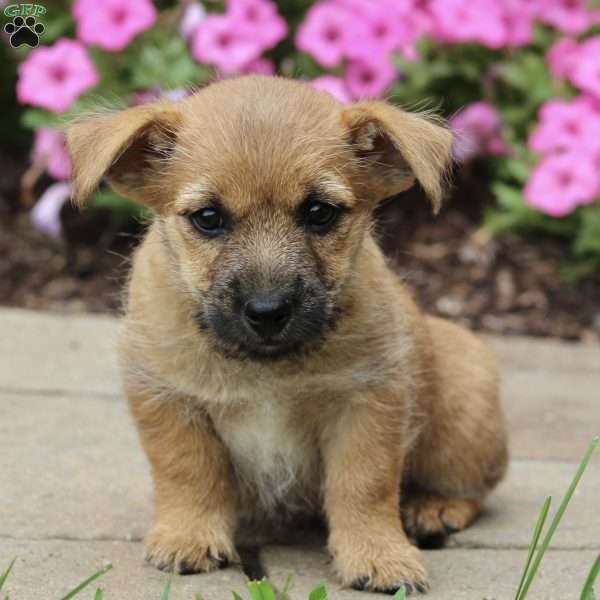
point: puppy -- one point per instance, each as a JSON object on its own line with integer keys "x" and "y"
{"x": 273, "y": 362}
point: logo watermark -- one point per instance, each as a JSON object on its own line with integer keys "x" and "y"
{"x": 25, "y": 29}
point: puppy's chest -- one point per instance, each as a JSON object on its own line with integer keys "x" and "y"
{"x": 274, "y": 453}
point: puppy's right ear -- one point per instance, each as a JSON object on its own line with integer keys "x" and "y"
{"x": 129, "y": 148}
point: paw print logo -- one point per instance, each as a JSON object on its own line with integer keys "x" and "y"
{"x": 24, "y": 32}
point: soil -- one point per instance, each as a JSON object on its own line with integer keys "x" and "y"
{"x": 506, "y": 285}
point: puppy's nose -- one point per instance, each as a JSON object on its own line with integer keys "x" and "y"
{"x": 268, "y": 314}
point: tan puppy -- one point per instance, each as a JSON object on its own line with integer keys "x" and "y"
{"x": 273, "y": 362}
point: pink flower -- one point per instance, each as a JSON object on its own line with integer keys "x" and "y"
{"x": 323, "y": 33}
{"x": 53, "y": 77}
{"x": 50, "y": 151}
{"x": 376, "y": 31}
{"x": 565, "y": 125}
{"x": 561, "y": 57}
{"x": 458, "y": 21}
{"x": 220, "y": 41}
{"x": 369, "y": 79}
{"x": 561, "y": 182}
{"x": 585, "y": 71}
{"x": 112, "y": 24}
{"x": 262, "y": 66}
{"x": 193, "y": 15}
{"x": 45, "y": 215}
{"x": 258, "y": 19}
{"x": 569, "y": 16}
{"x": 479, "y": 132}
{"x": 518, "y": 17}
{"x": 333, "y": 85}
{"x": 418, "y": 16}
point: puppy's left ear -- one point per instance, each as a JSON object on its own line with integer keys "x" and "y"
{"x": 395, "y": 148}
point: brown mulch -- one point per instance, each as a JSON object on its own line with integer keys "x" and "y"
{"x": 506, "y": 285}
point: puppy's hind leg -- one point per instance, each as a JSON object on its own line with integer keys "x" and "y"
{"x": 461, "y": 452}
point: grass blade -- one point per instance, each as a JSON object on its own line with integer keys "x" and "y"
{"x": 99, "y": 595}
{"x": 557, "y": 518}
{"x": 167, "y": 591}
{"x": 534, "y": 542}
{"x": 4, "y": 575}
{"x": 287, "y": 586}
{"x": 236, "y": 596}
{"x": 400, "y": 594}
{"x": 588, "y": 588}
{"x": 319, "y": 593}
{"x": 261, "y": 590}
{"x": 87, "y": 582}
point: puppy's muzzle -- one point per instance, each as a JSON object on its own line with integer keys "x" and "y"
{"x": 267, "y": 314}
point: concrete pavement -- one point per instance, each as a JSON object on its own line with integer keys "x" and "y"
{"x": 75, "y": 490}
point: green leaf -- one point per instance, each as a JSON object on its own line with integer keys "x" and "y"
{"x": 122, "y": 208}
{"x": 534, "y": 541}
{"x": 515, "y": 168}
{"x": 261, "y": 590}
{"x": 99, "y": 595}
{"x": 167, "y": 591}
{"x": 509, "y": 197}
{"x": 587, "y": 593}
{"x": 236, "y": 596}
{"x": 34, "y": 118}
{"x": 85, "y": 583}
{"x": 588, "y": 236}
{"x": 4, "y": 575}
{"x": 400, "y": 594}
{"x": 58, "y": 26}
{"x": 166, "y": 63}
{"x": 319, "y": 593}
{"x": 557, "y": 518}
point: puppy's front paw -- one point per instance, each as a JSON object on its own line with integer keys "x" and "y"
{"x": 378, "y": 563}
{"x": 187, "y": 551}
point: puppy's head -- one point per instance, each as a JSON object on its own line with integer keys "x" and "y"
{"x": 263, "y": 190}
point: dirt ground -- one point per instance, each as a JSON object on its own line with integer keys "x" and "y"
{"x": 507, "y": 285}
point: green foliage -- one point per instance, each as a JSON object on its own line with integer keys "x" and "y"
{"x": 261, "y": 590}
{"x": 534, "y": 542}
{"x": 587, "y": 593}
{"x": 531, "y": 567}
{"x": 446, "y": 77}
{"x": 319, "y": 593}
{"x": 517, "y": 82}
{"x": 85, "y": 583}
{"x": 164, "y": 60}
{"x": 122, "y": 209}
{"x": 167, "y": 590}
{"x": 6, "y": 573}
{"x": 400, "y": 594}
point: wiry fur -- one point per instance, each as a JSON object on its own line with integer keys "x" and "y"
{"x": 370, "y": 398}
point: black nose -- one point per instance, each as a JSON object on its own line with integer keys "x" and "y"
{"x": 268, "y": 314}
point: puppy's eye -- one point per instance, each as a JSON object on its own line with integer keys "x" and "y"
{"x": 209, "y": 221}
{"x": 320, "y": 216}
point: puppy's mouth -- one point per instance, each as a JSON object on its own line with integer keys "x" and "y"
{"x": 271, "y": 350}
{"x": 235, "y": 341}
